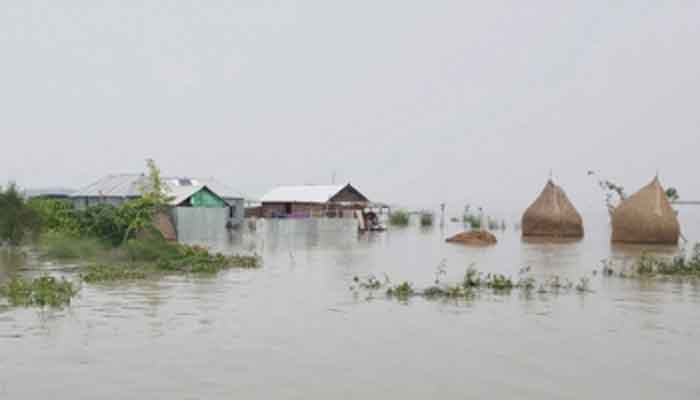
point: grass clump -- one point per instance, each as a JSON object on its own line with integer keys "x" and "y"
{"x": 146, "y": 259}
{"x": 42, "y": 291}
{"x": 64, "y": 247}
{"x": 399, "y": 218}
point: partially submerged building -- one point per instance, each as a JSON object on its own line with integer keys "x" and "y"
{"x": 335, "y": 201}
{"x": 196, "y": 205}
{"x": 646, "y": 217}
{"x": 552, "y": 215}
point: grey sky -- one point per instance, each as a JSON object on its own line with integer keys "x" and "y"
{"x": 415, "y": 102}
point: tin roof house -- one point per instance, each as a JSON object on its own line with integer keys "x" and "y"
{"x": 198, "y": 205}
{"x": 312, "y": 200}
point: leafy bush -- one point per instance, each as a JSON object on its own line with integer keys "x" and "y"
{"x": 56, "y": 215}
{"x": 149, "y": 250}
{"x": 16, "y": 218}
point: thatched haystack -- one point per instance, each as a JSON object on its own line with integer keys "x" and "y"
{"x": 553, "y": 215}
{"x": 646, "y": 217}
{"x": 475, "y": 238}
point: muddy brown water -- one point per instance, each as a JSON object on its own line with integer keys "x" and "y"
{"x": 294, "y": 330}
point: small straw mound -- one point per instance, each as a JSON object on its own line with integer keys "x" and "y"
{"x": 646, "y": 217}
{"x": 552, "y": 215}
{"x": 474, "y": 238}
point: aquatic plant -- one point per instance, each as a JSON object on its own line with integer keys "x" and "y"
{"x": 107, "y": 273}
{"x": 42, "y": 291}
{"x": 683, "y": 264}
{"x": 401, "y": 291}
{"x": 399, "y": 218}
{"x": 473, "y": 283}
{"x": 473, "y": 221}
{"x": 495, "y": 225}
{"x": 426, "y": 219}
{"x": 185, "y": 260}
{"x": 370, "y": 283}
{"x": 583, "y": 285}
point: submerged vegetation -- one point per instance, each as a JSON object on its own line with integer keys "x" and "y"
{"x": 472, "y": 219}
{"x": 399, "y": 218}
{"x": 473, "y": 283}
{"x": 686, "y": 264}
{"x": 41, "y": 291}
{"x": 143, "y": 258}
{"x": 426, "y": 218}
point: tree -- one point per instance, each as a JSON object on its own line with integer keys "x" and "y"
{"x": 16, "y": 218}
{"x": 137, "y": 215}
{"x": 155, "y": 190}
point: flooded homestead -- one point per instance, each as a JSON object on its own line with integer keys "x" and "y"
{"x": 294, "y": 329}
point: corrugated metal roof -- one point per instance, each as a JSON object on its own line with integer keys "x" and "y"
{"x": 131, "y": 185}
{"x": 123, "y": 185}
{"x": 214, "y": 185}
{"x": 301, "y": 194}
{"x": 182, "y": 193}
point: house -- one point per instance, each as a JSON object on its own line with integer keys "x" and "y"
{"x": 197, "y": 204}
{"x": 312, "y": 201}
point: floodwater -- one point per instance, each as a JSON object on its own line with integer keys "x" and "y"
{"x": 294, "y": 330}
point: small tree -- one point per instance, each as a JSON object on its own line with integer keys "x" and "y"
{"x": 16, "y": 218}
{"x": 137, "y": 215}
{"x": 155, "y": 190}
{"x": 611, "y": 189}
{"x": 672, "y": 194}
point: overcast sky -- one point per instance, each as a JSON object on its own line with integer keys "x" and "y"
{"x": 414, "y": 102}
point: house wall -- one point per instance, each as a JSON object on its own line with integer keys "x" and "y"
{"x": 236, "y": 210}
{"x": 270, "y": 210}
{"x": 198, "y": 225}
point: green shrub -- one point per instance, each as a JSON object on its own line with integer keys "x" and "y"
{"x": 56, "y": 215}
{"x": 151, "y": 249}
{"x": 399, "y": 218}
{"x": 474, "y": 221}
{"x": 16, "y": 218}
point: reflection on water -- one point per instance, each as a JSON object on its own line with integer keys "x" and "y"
{"x": 293, "y": 329}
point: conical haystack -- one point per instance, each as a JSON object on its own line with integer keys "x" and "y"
{"x": 552, "y": 214}
{"x": 646, "y": 217}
